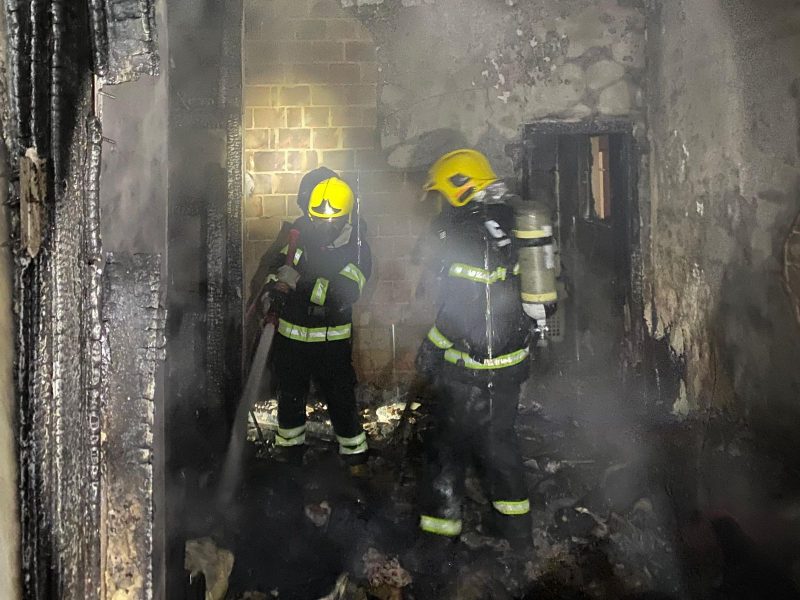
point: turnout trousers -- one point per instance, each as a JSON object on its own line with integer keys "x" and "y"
{"x": 474, "y": 423}
{"x": 329, "y": 363}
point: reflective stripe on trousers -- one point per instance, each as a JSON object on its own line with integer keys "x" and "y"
{"x": 291, "y": 437}
{"x": 448, "y": 527}
{"x": 352, "y": 445}
{"x": 512, "y": 507}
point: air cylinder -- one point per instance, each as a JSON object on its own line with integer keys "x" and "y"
{"x": 537, "y": 261}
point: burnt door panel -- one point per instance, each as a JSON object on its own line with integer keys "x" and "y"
{"x": 597, "y": 305}
{"x": 594, "y": 248}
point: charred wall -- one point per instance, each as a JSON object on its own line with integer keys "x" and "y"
{"x": 10, "y": 564}
{"x": 725, "y": 189}
{"x": 204, "y": 216}
{"x": 59, "y": 56}
{"x": 133, "y": 204}
{"x": 133, "y": 333}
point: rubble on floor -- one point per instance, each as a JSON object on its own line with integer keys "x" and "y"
{"x": 381, "y": 412}
{"x": 614, "y": 515}
{"x": 202, "y": 556}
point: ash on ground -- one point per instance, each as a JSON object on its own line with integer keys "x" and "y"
{"x": 622, "y": 508}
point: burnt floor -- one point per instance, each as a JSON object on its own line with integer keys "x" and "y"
{"x": 626, "y": 504}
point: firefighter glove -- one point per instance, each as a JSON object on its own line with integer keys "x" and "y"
{"x": 288, "y": 276}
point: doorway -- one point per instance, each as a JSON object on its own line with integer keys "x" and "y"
{"x": 586, "y": 174}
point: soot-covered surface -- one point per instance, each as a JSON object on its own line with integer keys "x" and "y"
{"x": 624, "y": 505}
{"x": 58, "y": 54}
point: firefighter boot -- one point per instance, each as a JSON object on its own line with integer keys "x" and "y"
{"x": 357, "y": 465}
{"x": 289, "y": 455}
{"x": 517, "y": 530}
{"x": 431, "y": 554}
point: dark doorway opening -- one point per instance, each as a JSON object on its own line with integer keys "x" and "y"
{"x": 586, "y": 174}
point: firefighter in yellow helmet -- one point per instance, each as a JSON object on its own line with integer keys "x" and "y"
{"x": 476, "y": 356}
{"x": 460, "y": 176}
{"x": 326, "y": 277}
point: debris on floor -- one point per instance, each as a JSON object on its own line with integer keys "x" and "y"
{"x": 382, "y": 411}
{"x": 339, "y": 589}
{"x": 612, "y": 505}
{"x": 385, "y": 576}
{"x": 203, "y": 556}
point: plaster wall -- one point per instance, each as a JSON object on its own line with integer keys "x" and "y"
{"x": 473, "y": 72}
{"x": 134, "y": 170}
{"x": 725, "y": 188}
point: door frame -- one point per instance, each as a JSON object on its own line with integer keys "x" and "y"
{"x": 630, "y": 157}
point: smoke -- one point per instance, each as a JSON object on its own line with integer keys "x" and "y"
{"x": 135, "y": 164}
{"x": 133, "y": 206}
{"x": 620, "y": 428}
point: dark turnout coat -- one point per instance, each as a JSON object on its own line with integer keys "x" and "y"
{"x": 332, "y": 278}
{"x": 480, "y": 325}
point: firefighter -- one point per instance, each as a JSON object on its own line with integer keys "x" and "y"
{"x": 476, "y": 354}
{"x": 328, "y": 272}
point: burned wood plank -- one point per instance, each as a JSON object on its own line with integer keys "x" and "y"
{"x": 125, "y": 44}
{"x": 133, "y": 323}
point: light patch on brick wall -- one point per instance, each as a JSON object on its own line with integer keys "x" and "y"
{"x": 311, "y": 77}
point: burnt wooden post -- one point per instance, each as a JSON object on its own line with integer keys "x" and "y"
{"x": 59, "y": 52}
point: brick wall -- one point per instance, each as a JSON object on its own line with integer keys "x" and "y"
{"x": 311, "y": 81}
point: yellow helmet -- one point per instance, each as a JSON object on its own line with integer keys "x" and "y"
{"x": 331, "y": 199}
{"x": 459, "y": 175}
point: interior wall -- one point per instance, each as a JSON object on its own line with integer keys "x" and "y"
{"x": 311, "y": 91}
{"x": 204, "y": 293}
{"x": 59, "y": 405}
{"x": 381, "y": 101}
{"x": 10, "y": 534}
{"x": 725, "y": 189}
{"x": 134, "y": 170}
{"x": 475, "y": 72}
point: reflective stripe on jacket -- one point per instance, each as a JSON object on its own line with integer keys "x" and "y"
{"x": 480, "y": 323}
